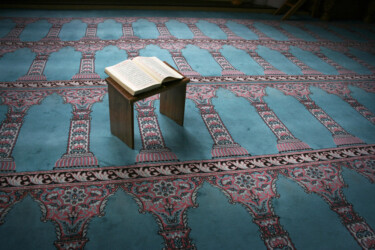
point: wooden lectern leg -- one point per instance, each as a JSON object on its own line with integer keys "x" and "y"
{"x": 121, "y": 116}
{"x": 172, "y": 103}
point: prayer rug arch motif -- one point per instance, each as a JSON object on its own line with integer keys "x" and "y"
{"x": 224, "y": 145}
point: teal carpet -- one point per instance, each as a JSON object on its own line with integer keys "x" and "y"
{"x": 277, "y": 150}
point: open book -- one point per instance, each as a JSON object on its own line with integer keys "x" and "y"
{"x": 141, "y": 74}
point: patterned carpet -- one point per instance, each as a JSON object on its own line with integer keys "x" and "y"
{"x": 277, "y": 150}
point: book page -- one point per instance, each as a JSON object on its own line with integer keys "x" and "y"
{"x": 130, "y": 74}
{"x": 157, "y": 67}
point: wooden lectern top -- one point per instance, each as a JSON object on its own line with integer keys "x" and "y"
{"x": 164, "y": 87}
{"x": 135, "y": 98}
